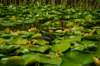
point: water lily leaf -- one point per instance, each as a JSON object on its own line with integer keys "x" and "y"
{"x": 61, "y": 46}
{"x": 37, "y": 35}
{"x": 20, "y": 41}
{"x": 6, "y": 36}
{"x": 13, "y": 61}
{"x": 2, "y": 41}
{"x": 42, "y": 42}
{"x": 75, "y": 38}
{"x": 75, "y": 58}
{"x": 40, "y": 48}
{"x": 87, "y": 44}
{"x": 51, "y": 59}
{"x": 30, "y": 58}
{"x": 7, "y": 49}
{"x": 41, "y": 58}
{"x": 26, "y": 34}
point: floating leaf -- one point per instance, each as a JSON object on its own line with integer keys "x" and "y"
{"x": 20, "y": 41}
{"x": 2, "y": 41}
{"x": 74, "y": 58}
{"x": 61, "y": 46}
{"x": 41, "y": 58}
{"x": 40, "y": 48}
{"x": 42, "y": 42}
{"x": 13, "y": 61}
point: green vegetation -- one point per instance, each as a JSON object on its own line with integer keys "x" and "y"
{"x": 47, "y": 35}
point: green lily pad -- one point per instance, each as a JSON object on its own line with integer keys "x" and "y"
{"x": 13, "y": 61}
{"x": 2, "y": 41}
{"x": 20, "y": 41}
{"x": 61, "y": 45}
{"x": 74, "y": 58}
{"x": 40, "y": 48}
{"x": 41, "y": 58}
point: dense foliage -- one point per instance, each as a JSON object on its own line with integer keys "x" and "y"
{"x": 47, "y": 35}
